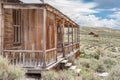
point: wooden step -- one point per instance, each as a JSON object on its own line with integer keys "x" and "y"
{"x": 68, "y": 64}
{"x": 64, "y": 61}
{"x": 73, "y": 67}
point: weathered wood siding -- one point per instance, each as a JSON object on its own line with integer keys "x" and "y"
{"x": 0, "y": 25}
{"x": 8, "y": 29}
{"x": 51, "y": 31}
{"x": 33, "y": 29}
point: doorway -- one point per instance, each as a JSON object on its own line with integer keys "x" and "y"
{"x": 59, "y": 39}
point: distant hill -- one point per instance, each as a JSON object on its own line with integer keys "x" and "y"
{"x": 107, "y": 36}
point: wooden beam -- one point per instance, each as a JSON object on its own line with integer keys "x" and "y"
{"x": 20, "y": 6}
{"x": 23, "y": 51}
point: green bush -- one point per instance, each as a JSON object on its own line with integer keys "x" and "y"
{"x": 9, "y": 72}
{"x": 82, "y": 53}
{"x": 96, "y": 56}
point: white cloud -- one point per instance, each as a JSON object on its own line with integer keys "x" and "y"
{"x": 71, "y": 6}
{"x": 116, "y": 15}
{"x": 83, "y": 13}
{"x": 92, "y": 20}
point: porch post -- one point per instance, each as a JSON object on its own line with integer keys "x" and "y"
{"x": 68, "y": 33}
{"x": 63, "y": 37}
{"x": 72, "y": 36}
{"x": 44, "y": 37}
{"x": 77, "y": 34}
{"x": 68, "y": 36}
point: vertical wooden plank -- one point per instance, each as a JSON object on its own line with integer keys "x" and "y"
{"x": 41, "y": 29}
{"x": 47, "y": 30}
{"x": 20, "y": 58}
{"x": 29, "y": 38}
{"x": 55, "y": 37}
{"x": 0, "y": 27}
{"x": 37, "y": 41}
{"x": 40, "y": 34}
{"x": 44, "y": 37}
{"x": 22, "y": 30}
{"x": 25, "y": 28}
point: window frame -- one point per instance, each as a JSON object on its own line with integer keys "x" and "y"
{"x": 17, "y": 27}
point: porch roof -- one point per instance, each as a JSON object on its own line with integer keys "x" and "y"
{"x": 50, "y": 8}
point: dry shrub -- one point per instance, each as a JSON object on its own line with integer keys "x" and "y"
{"x": 90, "y": 76}
{"x": 8, "y": 72}
{"x": 60, "y": 75}
{"x": 50, "y": 75}
{"x": 109, "y": 62}
{"x": 67, "y": 75}
{"x": 114, "y": 73}
{"x": 97, "y": 65}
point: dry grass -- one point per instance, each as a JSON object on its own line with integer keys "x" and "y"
{"x": 9, "y": 72}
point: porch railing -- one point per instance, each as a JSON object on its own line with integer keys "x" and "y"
{"x": 51, "y": 56}
{"x": 70, "y": 48}
{"x": 30, "y": 58}
{"x": 36, "y": 58}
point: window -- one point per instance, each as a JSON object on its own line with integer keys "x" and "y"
{"x": 17, "y": 26}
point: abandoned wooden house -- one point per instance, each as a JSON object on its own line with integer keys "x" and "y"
{"x": 36, "y": 36}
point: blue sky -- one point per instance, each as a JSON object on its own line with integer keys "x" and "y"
{"x": 94, "y": 13}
